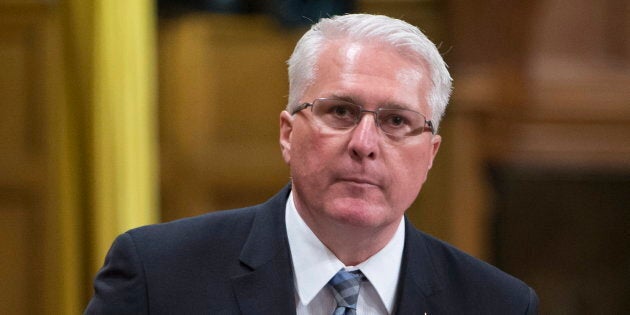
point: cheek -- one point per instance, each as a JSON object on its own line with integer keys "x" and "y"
{"x": 416, "y": 166}
{"x": 310, "y": 152}
{"x": 409, "y": 180}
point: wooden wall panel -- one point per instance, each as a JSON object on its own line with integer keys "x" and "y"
{"x": 25, "y": 158}
{"x": 20, "y": 269}
{"x": 21, "y": 111}
{"x": 223, "y": 85}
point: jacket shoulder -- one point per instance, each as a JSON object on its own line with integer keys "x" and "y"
{"x": 185, "y": 266}
{"x": 216, "y": 231}
{"x": 476, "y": 282}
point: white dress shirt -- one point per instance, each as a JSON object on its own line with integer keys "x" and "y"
{"x": 314, "y": 265}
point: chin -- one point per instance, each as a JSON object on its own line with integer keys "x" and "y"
{"x": 359, "y": 213}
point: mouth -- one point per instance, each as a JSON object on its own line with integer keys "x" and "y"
{"x": 360, "y": 181}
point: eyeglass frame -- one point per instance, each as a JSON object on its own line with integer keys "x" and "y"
{"x": 428, "y": 124}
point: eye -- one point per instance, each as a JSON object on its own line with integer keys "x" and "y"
{"x": 342, "y": 112}
{"x": 397, "y": 120}
{"x": 339, "y": 110}
{"x": 394, "y": 120}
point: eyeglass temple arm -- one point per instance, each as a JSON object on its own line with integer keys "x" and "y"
{"x": 301, "y": 107}
{"x": 431, "y": 127}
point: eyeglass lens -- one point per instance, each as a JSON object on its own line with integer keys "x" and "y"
{"x": 340, "y": 114}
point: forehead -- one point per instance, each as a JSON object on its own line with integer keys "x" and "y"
{"x": 370, "y": 73}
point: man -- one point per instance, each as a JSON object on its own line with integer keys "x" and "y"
{"x": 359, "y": 134}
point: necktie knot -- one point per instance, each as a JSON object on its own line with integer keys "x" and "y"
{"x": 346, "y": 285}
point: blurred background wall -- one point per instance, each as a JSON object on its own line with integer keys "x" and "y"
{"x": 115, "y": 114}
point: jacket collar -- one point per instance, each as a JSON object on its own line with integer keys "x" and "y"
{"x": 420, "y": 280}
{"x": 266, "y": 287}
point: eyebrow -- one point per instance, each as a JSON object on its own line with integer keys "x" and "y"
{"x": 391, "y": 105}
{"x": 386, "y": 105}
{"x": 346, "y": 98}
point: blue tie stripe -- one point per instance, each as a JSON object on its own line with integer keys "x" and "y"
{"x": 346, "y": 287}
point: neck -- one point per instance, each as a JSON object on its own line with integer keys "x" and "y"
{"x": 358, "y": 247}
{"x": 352, "y": 244}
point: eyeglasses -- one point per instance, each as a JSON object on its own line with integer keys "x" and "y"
{"x": 339, "y": 114}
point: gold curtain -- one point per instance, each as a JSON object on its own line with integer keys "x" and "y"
{"x": 110, "y": 135}
{"x": 124, "y": 137}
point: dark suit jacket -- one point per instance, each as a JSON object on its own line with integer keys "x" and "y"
{"x": 238, "y": 262}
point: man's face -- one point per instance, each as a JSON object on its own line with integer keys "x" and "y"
{"x": 358, "y": 177}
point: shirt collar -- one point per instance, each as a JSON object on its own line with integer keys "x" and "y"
{"x": 314, "y": 264}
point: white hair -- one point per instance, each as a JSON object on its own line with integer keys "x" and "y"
{"x": 407, "y": 39}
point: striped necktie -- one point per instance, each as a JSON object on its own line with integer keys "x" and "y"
{"x": 345, "y": 287}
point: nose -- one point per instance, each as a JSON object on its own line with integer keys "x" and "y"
{"x": 364, "y": 138}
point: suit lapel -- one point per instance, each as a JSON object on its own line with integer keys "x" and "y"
{"x": 419, "y": 285}
{"x": 265, "y": 290}
{"x": 267, "y": 285}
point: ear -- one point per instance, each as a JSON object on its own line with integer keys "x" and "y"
{"x": 436, "y": 140}
{"x": 286, "y": 128}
